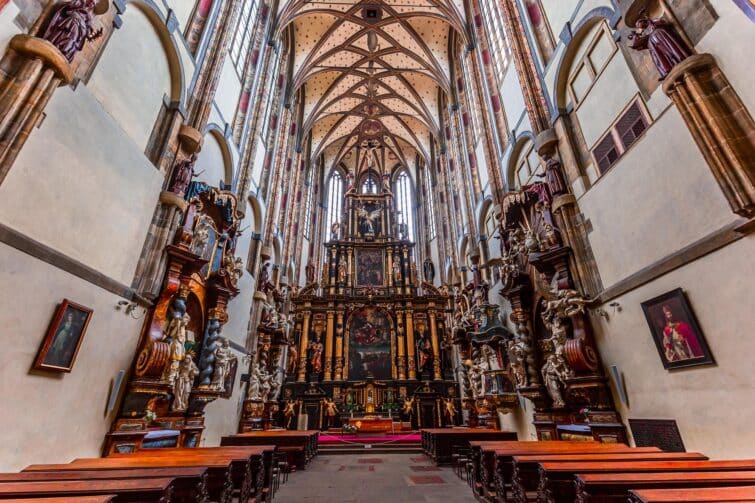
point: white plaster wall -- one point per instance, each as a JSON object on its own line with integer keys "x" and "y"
{"x": 54, "y": 418}
{"x": 222, "y": 416}
{"x": 7, "y": 27}
{"x": 512, "y": 97}
{"x": 713, "y": 405}
{"x": 81, "y": 187}
{"x": 182, "y": 9}
{"x": 657, "y": 199}
{"x": 210, "y": 162}
{"x": 133, "y": 76}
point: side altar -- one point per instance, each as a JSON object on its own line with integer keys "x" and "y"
{"x": 369, "y": 338}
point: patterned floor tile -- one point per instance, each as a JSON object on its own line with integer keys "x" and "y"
{"x": 370, "y": 461}
{"x": 424, "y": 468}
{"x": 357, "y": 468}
{"x": 425, "y": 479}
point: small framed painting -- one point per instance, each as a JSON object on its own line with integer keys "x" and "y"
{"x": 677, "y": 335}
{"x": 63, "y": 339}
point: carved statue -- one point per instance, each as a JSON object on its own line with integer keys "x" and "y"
{"x": 293, "y": 358}
{"x": 255, "y": 382}
{"x": 659, "y": 37}
{"x": 386, "y": 184}
{"x": 182, "y": 175}
{"x": 403, "y": 231}
{"x": 310, "y": 271}
{"x": 490, "y": 357}
{"x": 424, "y": 352}
{"x": 330, "y": 411}
{"x": 315, "y": 355}
{"x": 396, "y": 271}
{"x": 182, "y": 388}
{"x": 289, "y": 411}
{"x": 553, "y": 177}
{"x": 334, "y": 231}
{"x": 428, "y": 270}
{"x": 556, "y": 370}
{"x": 224, "y": 358}
{"x": 201, "y": 238}
{"x": 234, "y": 266}
{"x": 450, "y": 410}
{"x": 70, "y": 26}
{"x": 368, "y": 220}
{"x": 407, "y": 408}
{"x": 177, "y": 334}
{"x": 517, "y": 351}
{"x": 263, "y": 284}
{"x": 342, "y": 273}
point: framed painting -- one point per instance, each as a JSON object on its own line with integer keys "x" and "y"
{"x": 63, "y": 338}
{"x": 370, "y": 267}
{"x": 675, "y": 331}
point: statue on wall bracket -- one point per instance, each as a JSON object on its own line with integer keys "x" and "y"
{"x": 70, "y": 26}
{"x": 659, "y": 37}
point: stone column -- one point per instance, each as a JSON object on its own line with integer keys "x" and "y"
{"x": 410, "y": 357}
{"x": 328, "y": 361}
{"x": 303, "y": 344}
{"x": 720, "y": 124}
{"x": 401, "y": 365}
{"x": 436, "y": 345}
{"x": 338, "y": 372}
{"x": 390, "y": 267}
{"x": 349, "y": 267}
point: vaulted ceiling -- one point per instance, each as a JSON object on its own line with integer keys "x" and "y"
{"x": 371, "y": 74}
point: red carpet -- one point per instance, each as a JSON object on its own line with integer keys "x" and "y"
{"x": 409, "y": 438}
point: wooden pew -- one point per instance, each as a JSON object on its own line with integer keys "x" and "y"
{"x": 493, "y": 461}
{"x": 219, "y": 481}
{"x": 254, "y": 477}
{"x": 104, "y": 498}
{"x": 300, "y": 446}
{"x": 438, "y": 443}
{"x": 145, "y": 490}
{"x": 557, "y": 478}
{"x": 706, "y": 495}
{"x": 190, "y": 482}
{"x": 526, "y": 476}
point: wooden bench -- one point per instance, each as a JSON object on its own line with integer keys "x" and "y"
{"x": 557, "y": 478}
{"x": 104, "y": 498}
{"x": 706, "y": 495}
{"x": 496, "y": 458}
{"x": 143, "y": 490}
{"x": 526, "y": 477}
{"x": 301, "y": 446}
{"x": 438, "y": 443}
{"x": 190, "y": 482}
{"x": 615, "y": 487}
{"x": 253, "y": 477}
{"x": 219, "y": 482}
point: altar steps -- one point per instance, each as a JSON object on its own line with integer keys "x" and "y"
{"x": 377, "y": 448}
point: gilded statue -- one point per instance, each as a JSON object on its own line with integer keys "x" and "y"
{"x": 396, "y": 270}
{"x": 342, "y": 274}
{"x": 224, "y": 358}
{"x": 424, "y": 352}
{"x": 334, "y": 231}
{"x": 182, "y": 389}
{"x": 293, "y": 358}
{"x": 330, "y": 411}
{"x": 70, "y": 26}
{"x": 315, "y": 355}
{"x": 177, "y": 334}
{"x": 289, "y": 411}
{"x": 450, "y": 410}
{"x": 517, "y": 352}
{"x": 407, "y": 408}
{"x": 660, "y": 38}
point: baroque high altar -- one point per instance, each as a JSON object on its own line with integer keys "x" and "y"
{"x": 369, "y": 340}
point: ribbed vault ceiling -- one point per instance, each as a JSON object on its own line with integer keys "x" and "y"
{"x": 371, "y": 74}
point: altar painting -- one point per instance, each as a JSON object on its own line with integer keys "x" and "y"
{"x": 369, "y": 345}
{"x": 370, "y": 269}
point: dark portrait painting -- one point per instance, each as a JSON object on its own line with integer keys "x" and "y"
{"x": 63, "y": 339}
{"x": 369, "y": 344}
{"x": 677, "y": 335}
{"x": 370, "y": 268}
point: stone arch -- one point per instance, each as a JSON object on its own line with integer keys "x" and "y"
{"x": 218, "y": 149}
{"x": 577, "y": 33}
{"x": 521, "y": 140}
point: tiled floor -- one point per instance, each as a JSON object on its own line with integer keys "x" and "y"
{"x": 395, "y": 478}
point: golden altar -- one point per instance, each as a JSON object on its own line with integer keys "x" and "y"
{"x": 373, "y": 424}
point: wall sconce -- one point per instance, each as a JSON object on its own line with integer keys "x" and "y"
{"x": 131, "y": 308}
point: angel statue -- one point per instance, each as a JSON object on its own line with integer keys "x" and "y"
{"x": 368, "y": 220}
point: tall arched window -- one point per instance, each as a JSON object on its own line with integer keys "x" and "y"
{"x": 369, "y": 186}
{"x": 431, "y": 231}
{"x": 335, "y": 201}
{"x": 309, "y": 187}
{"x": 242, "y": 38}
{"x": 498, "y": 40}
{"x": 405, "y": 203}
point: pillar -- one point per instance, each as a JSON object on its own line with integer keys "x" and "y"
{"x": 338, "y": 372}
{"x": 410, "y": 357}
{"x": 328, "y": 361}
{"x": 401, "y": 365}
{"x": 304, "y": 343}
{"x": 436, "y": 345}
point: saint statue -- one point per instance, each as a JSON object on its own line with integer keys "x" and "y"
{"x": 517, "y": 351}
{"x": 407, "y": 408}
{"x": 182, "y": 175}
{"x": 334, "y": 231}
{"x": 70, "y": 26}
{"x": 428, "y": 269}
{"x": 556, "y": 370}
{"x": 553, "y": 177}
{"x": 177, "y": 334}
{"x": 289, "y": 411}
{"x": 660, "y": 38}
{"x": 315, "y": 355}
{"x": 396, "y": 271}
{"x": 368, "y": 220}
{"x": 424, "y": 352}
{"x": 450, "y": 410}
{"x": 330, "y": 411}
{"x": 293, "y": 358}
{"x": 223, "y": 359}
{"x": 310, "y": 271}
{"x": 182, "y": 388}
{"x": 342, "y": 274}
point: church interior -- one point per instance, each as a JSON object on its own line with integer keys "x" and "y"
{"x": 356, "y": 250}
